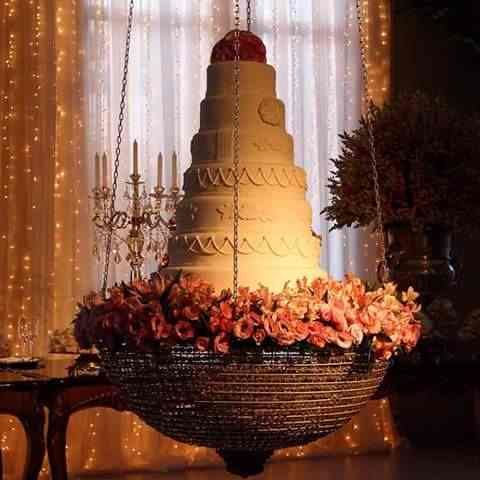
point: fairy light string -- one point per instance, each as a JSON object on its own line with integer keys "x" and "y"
{"x": 378, "y": 82}
{"x": 383, "y": 273}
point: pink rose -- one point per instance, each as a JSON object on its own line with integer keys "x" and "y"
{"x": 184, "y": 330}
{"x": 221, "y": 343}
{"x": 214, "y": 324}
{"x": 352, "y": 316}
{"x": 410, "y": 335}
{"x": 322, "y": 332}
{"x": 383, "y": 350}
{"x": 256, "y": 318}
{"x": 338, "y": 308}
{"x": 317, "y": 341}
{"x": 191, "y": 312}
{"x": 325, "y": 312}
{"x": 226, "y": 310}
{"x": 344, "y": 340}
{"x": 226, "y": 324}
{"x": 202, "y": 343}
{"x": 329, "y": 334}
{"x": 284, "y": 332}
{"x": 243, "y": 328}
{"x": 160, "y": 327}
{"x": 259, "y": 336}
{"x": 371, "y": 320}
{"x": 302, "y": 330}
{"x": 315, "y": 328}
{"x": 269, "y": 324}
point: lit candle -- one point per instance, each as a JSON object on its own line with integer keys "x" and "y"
{"x": 135, "y": 158}
{"x": 97, "y": 170}
{"x": 104, "y": 171}
{"x": 174, "y": 171}
{"x": 159, "y": 170}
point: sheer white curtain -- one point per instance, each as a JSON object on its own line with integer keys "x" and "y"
{"x": 313, "y": 45}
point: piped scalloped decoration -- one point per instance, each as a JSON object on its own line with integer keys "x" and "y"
{"x": 282, "y": 247}
{"x": 258, "y": 176}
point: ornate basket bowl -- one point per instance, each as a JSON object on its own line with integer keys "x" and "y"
{"x": 244, "y": 402}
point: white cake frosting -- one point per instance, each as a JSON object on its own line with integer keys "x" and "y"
{"x": 276, "y": 242}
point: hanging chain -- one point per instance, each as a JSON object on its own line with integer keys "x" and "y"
{"x": 382, "y": 270}
{"x": 236, "y": 145}
{"x": 121, "y": 118}
{"x": 249, "y": 15}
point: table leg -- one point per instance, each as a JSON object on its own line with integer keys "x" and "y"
{"x": 63, "y": 403}
{"x": 56, "y": 442}
{"x": 34, "y": 429}
{"x": 27, "y": 407}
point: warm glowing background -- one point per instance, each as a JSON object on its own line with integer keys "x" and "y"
{"x": 45, "y": 259}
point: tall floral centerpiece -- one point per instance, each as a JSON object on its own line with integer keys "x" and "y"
{"x": 299, "y": 362}
{"x": 427, "y": 159}
{"x": 322, "y": 315}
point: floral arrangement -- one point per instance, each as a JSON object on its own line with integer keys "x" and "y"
{"x": 427, "y": 160}
{"x": 323, "y": 314}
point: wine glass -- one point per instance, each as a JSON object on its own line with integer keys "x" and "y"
{"x": 27, "y": 330}
{"x": 23, "y": 335}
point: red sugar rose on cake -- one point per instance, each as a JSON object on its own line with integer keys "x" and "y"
{"x": 252, "y": 48}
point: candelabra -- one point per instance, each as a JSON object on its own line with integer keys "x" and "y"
{"x": 144, "y": 226}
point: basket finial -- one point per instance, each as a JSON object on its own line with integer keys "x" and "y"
{"x": 245, "y": 463}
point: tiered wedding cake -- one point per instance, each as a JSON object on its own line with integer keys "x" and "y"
{"x": 275, "y": 237}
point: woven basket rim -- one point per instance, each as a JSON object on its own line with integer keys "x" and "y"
{"x": 189, "y": 353}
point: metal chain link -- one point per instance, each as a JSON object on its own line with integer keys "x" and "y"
{"x": 236, "y": 146}
{"x": 121, "y": 118}
{"x": 382, "y": 270}
{"x": 249, "y": 15}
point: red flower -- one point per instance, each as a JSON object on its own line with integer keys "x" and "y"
{"x": 160, "y": 327}
{"x": 191, "y": 312}
{"x": 252, "y": 48}
{"x": 259, "y": 336}
{"x": 184, "y": 330}
{"x": 202, "y": 343}
{"x": 243, "y": 329}
{"x": 221, "y": 343}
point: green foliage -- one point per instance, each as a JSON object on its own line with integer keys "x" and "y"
{"x": 427, "y": 162}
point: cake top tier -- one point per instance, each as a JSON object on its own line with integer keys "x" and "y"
{"x": 252, "y": 48}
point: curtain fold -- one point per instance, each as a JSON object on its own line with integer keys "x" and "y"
{"x": 43, "y": 202}
{"x": 60, "y": 68}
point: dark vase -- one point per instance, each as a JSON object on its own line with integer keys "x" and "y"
{"x": 420, "y": 258}
{"x": 437, "y": 414}
{"x": 422, "y": 392}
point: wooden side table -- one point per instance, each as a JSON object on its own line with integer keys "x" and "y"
{"x": 21, "y": 398}
{"x": 62, "y": 402}
{"x": 25, "y": 396}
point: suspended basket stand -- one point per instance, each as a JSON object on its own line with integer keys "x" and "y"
{"x": 245, "y": 405}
